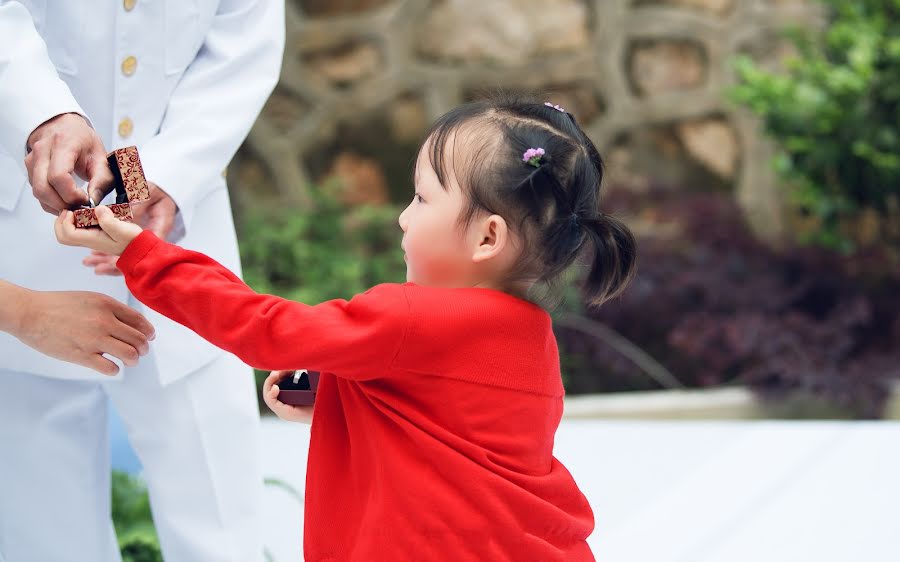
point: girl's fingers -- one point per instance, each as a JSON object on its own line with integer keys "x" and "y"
{"x": 67, "y": 234}
{"x": 302, "y": 414}
{"x": 65, "y": 227}
{"x": 282, "y": 410}
{"x": 116, "y": 229}
{"x": 292, "y": 413}
{"x": 271, "y": 390}
{"x": 271, "y": 398}
{"x": 273, "y": 378}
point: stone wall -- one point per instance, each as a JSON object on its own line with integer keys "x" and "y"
{"x": 362, "y": 80}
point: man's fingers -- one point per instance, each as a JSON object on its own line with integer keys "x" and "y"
{"x": 96, "y": 258}
{"x": 101, "y": 364}
{"x": 103, "y": 264}
{"x": 117, "y": 348}
{"x": 135, "y": 320}
{"x": 59, "y": 174}
{"x": 100, "y": 178}
{"x": 37, "y": 175}
{"x": 107, "y": 270}
{"x": 131, "y": 337}
{"x": 36, "y": 162}
{"x": 160, "y": 223}
{"x": 49, "y": 209}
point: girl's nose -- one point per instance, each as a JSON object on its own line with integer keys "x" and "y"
{"x": 402, "y": 219}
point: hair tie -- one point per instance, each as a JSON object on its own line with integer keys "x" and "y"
{"x": 533, "y": 156}
{"x": 554, "y": 106}
{"x": 575, "y": 221}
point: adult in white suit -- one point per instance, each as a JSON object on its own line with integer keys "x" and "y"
{"x": 183, "y": 80}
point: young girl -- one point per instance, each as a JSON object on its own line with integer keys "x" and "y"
{"x": 439, "y": 398}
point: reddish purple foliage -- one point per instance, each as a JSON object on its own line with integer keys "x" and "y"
{"x": 715, "y": 306}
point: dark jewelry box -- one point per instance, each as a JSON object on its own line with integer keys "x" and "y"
{"x": 301, "y": 393}
{"x": 129, "y": 182}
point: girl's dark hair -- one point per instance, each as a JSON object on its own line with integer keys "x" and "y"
{"x": 554, "y": 207}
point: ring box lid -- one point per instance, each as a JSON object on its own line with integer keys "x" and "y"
{"x": 130, "y": 185}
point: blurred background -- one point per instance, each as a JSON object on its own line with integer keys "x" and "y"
{"x": 751, "y": 145}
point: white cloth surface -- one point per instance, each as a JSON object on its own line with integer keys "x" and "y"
{"x": 770, "y": 491}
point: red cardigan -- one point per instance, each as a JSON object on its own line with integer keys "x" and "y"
{"x": 434, "y": 420}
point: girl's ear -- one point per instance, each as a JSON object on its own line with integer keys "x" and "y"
{"x": 491, "y": 236}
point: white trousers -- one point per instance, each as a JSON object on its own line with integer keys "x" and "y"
{"x": 197, "y": 438}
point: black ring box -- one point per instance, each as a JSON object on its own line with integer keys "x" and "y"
{"x": 301, "y": 393}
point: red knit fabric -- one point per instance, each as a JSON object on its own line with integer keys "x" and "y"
{"x": 433, "y": 429}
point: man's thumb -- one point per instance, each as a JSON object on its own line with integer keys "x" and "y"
{"x": 100, "y": 178}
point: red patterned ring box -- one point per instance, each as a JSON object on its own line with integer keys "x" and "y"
{"x": 129, "y": 181}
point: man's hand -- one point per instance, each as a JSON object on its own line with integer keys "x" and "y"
{"x": 157, "y": 214}
{"x": 284, "y": 411}
{"x": 58, "y": 147}
{"x": 112, "y": 237}
{"x": 79, "y": 327}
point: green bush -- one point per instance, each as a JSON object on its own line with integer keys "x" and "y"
{"x": 321, "y": 253}
{"x": 133, "y": 521}
{"x": 326, "y": 252}
{"x": 835, "y": 114}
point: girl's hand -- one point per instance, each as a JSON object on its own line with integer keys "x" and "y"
{"x": 112, "y": 237}
{"x": 284, "y": 411}
{"x": 156, "y": 215}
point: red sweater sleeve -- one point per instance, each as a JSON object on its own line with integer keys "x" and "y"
{"x": 356, "y": 339}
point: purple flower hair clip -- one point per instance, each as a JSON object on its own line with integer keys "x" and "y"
{"x": 533, "y": 156}
{"x": 554, "y": 106}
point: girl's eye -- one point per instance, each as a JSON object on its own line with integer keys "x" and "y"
{"x": 419, "y": 198}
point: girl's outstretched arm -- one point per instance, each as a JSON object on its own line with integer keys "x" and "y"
{"x": 358, "y": 338}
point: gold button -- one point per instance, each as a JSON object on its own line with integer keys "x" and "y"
{"x": 224, "y": 172}
{"x": 126, "y": 126}
{"x": 129, "y": 65}
{"x": 129, "y": 4}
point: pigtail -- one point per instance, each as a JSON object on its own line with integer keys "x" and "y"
{"x": 614, "y": 257}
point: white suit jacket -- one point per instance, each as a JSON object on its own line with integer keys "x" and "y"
{"x": 183, "y": 80}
